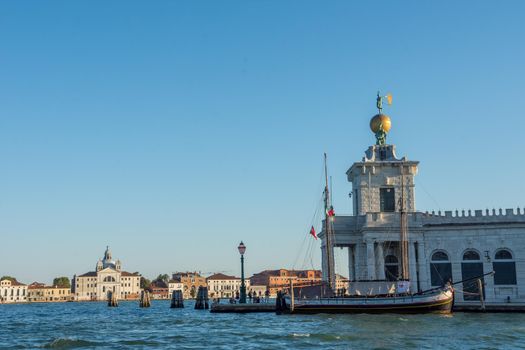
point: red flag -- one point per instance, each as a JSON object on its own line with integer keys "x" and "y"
{"x": 330, "y": 212}
{"x": 312, "y": 232}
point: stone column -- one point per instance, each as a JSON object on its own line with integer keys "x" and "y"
{"x": 370, "y": 260}
{"x": 412, "y": 266}
{"x": 358, "y": 255}
{"x": 380, "y": 262}
{"x": 424, "y": 267}
{"x": 351, "y": 266}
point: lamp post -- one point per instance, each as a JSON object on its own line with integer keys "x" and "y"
{"x": 242, "y": 297}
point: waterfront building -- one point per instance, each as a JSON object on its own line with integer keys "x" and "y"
{"x": 107, "y": 277}
{"x": 174, "y": 285}
{"x": 276, "y": 280}
{"x": 224, "y": 286}
{"x": 12, "y": 291}
{"x": 191, "y": 282}
{"x": 39, "y": 292}
{"x": 159, "y": 290}
{"x": 442, "y": 246}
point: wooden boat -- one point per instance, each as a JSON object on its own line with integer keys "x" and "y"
{"x": 439, "y": 301}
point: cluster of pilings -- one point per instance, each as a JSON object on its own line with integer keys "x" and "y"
{"x": 145, "y": 300}
{"x": 112, "y": 299}
{"x": 202, "y": 301}
{"x": 177, "y": 301}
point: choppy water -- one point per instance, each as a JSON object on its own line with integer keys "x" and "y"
{"x": 95, "y": 326}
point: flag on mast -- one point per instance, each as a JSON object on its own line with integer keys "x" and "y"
{"x": 330, "y": 211}
{"x": 312, "y": 232}
{"x": 389, "y": 98}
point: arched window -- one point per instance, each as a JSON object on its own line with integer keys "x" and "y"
{"x": 471, "y": 267}
{"x": 391, "y": 268}
{"x": 504, "y": 268}
{"x": 440, "y": 268}
{"x": 471, "y": 255}
{"x": 109, "y": 279}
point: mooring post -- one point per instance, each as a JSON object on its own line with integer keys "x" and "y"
{"x": 481, "y": 299}
{"x": 177, "y": 301}
{"x": 145, "y": 300}
{"x": 202, "y": 299}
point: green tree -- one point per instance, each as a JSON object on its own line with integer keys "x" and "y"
{"x": 12, "y": 279}
{"x": 163, "y": 278}
{"x": 62, "y": 282}
{"x": 144, "y": 283}
{"x": 193, "y": 292}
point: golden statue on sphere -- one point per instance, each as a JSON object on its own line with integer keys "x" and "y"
{"x": 380, "y": 123}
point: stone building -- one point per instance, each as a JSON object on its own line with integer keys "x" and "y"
{"x": 276, "y": 280}
{"x": 39, "y": 292}
{"x": 12, "y": 291}
{"x": 442, "y": 246}
{"x": 224, "y": 286}
{"x": 107, "y": 277}
{"x": 191, "y": 282}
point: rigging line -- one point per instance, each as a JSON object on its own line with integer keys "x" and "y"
{"x": 420, "y": 183}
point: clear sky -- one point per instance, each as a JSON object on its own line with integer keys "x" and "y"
{"x": 172, "y": 130}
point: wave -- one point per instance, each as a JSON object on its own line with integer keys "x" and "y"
{"x": 67, "y": 343}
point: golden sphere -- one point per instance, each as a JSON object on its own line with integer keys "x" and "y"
{"x": 380, "y": 120}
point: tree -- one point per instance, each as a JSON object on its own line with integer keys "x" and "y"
{"x": 62, "y": 282}
{"x": 144, "y": 283}
{"x": 193, "y": 292}
{"x": 163, "y": 278}
{"x": 12, "y": 279}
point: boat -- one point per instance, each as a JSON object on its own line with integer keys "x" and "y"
{"x": 381, "y": 297}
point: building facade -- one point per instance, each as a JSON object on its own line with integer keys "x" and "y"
{"x": 12, "y": 291}
{"x": 442, "y": 246}
{"x": 107, "y": 278}
{"x": 39, "y": 293}
{"x": 224, "y": 286}
{"x": 276, "y": 280}
{"x": 175, "y": 285}
{"x": 191, "y": 282}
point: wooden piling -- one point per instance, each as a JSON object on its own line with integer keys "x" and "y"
{"x": 145, "y": 300}
{"x": 177, "y": 301}
{"x": 112, "y": 299}
{"x": 202, "y": 301}
{"x": 481, "y": 296}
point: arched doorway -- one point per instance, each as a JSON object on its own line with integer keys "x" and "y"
{"x": 391, "y": 268}
{"x": 471, "y": 267}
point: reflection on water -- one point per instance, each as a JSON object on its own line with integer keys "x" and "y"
{"x": 94, "y": 325}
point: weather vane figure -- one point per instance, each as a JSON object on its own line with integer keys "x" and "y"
{"x": 380, "y": 123}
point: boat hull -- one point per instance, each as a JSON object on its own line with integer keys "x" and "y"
{"x": 439, "y": 303}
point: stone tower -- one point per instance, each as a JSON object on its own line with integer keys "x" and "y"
{"x": 381, "y": 180}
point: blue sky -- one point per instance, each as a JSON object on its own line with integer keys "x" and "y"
{"x": 171, "y": 130}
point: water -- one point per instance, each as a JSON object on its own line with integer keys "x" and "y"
{"x": 95, "y": 326}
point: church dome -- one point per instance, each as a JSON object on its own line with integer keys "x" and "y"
{"x": 380, "y": 121}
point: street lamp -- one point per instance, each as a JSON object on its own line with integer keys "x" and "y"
{"x": 242, "y": 297}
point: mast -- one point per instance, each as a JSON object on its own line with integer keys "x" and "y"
{"x": 403, "y": 236}
{"x": 330, "y": 266}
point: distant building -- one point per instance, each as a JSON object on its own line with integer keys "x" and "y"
{"x": 159, "y": 290}
{"x": 12, "y": 291}
{"x": 107, "y": 277}
{"x": 276, "y": 280}
{"x": 39, "y": 292}
{"x": 191, "y": 282}
{"x": 224, "y": 286}
{"x": 175, "y": 285}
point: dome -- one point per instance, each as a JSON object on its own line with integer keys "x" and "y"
{"x": 380, "y": 121}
